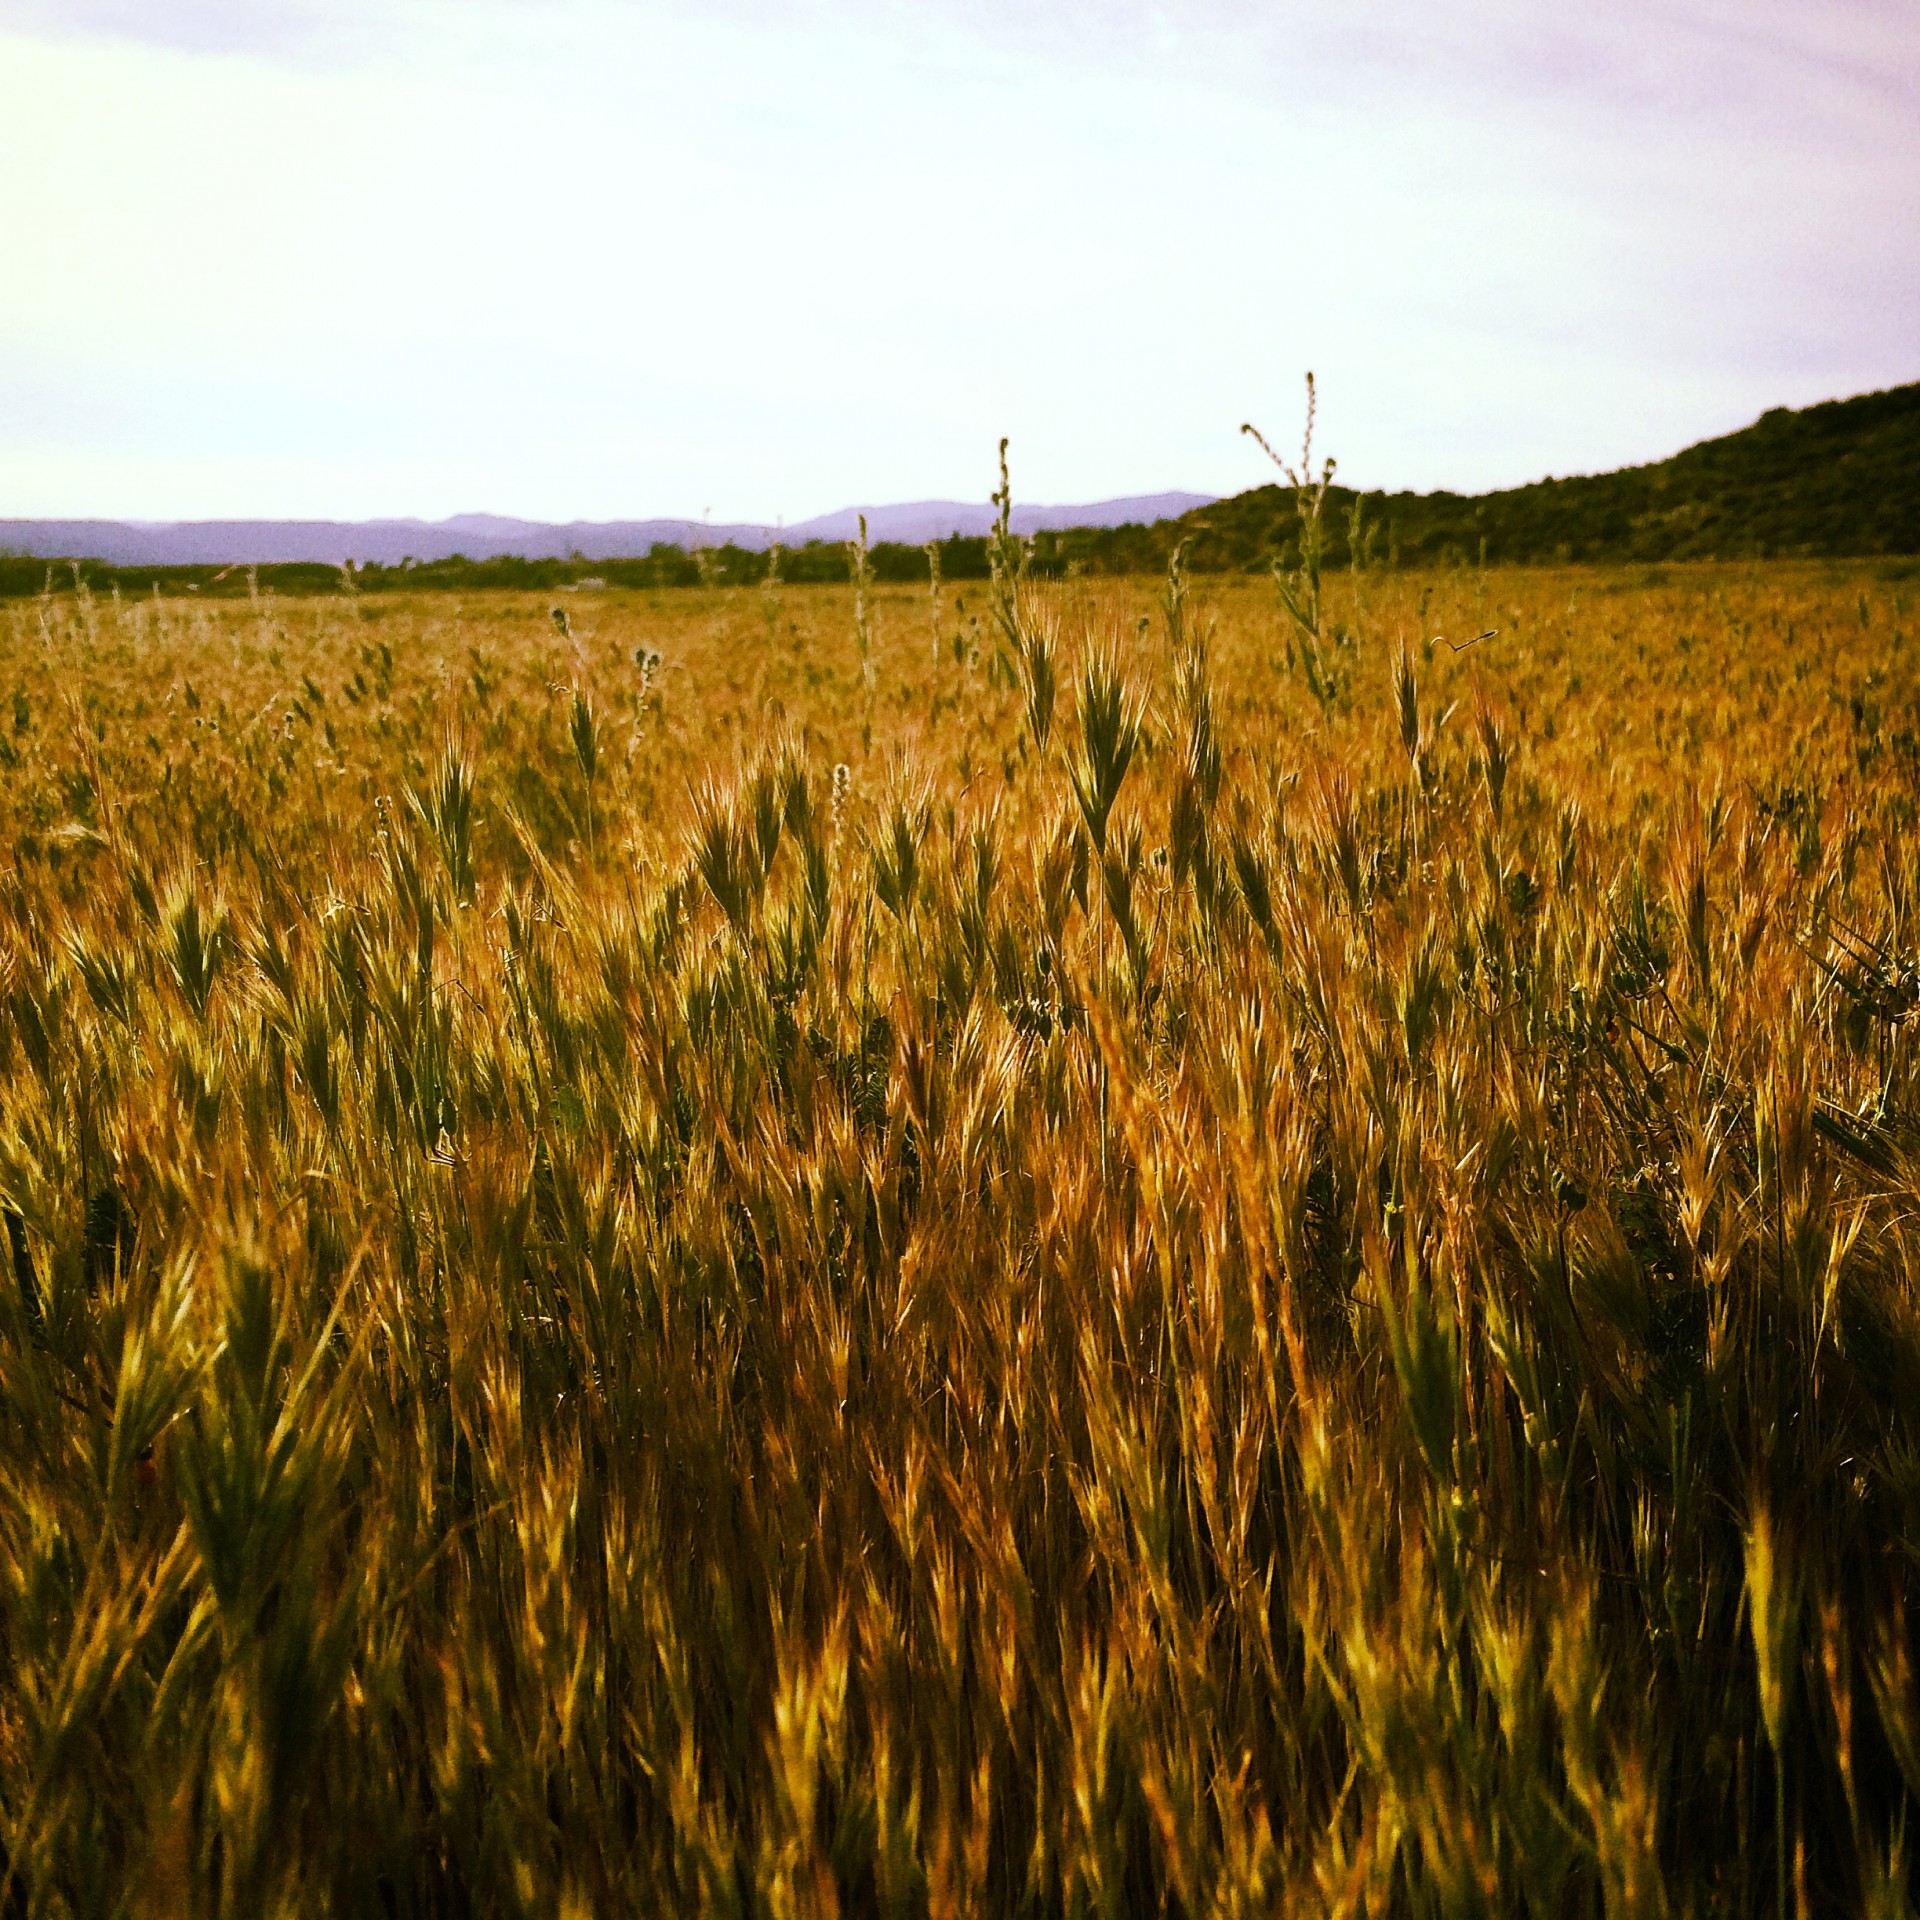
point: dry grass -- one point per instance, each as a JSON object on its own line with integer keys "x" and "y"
{"x": 1284, "y": 1302}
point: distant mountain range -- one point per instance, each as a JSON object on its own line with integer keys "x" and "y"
{"x": 1840, "y": 478}
{"x": 486, "y": 536}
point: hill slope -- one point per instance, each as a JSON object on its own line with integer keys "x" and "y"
{"x": 1839, "y": 478}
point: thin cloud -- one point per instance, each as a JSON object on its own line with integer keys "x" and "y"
{"x": 274, "y": 29}
{"x": 599, "y": 257}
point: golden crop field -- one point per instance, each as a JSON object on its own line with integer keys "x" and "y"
{"x": 1089, "y": 1249}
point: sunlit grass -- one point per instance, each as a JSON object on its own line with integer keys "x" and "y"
{"x": 1012, "y": 1252}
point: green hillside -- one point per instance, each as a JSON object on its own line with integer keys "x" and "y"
{"x": 1841, "y": 478}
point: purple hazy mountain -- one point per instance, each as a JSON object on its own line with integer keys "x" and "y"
{"x": 482, "y": 536}
{"x": 922, "y": 520}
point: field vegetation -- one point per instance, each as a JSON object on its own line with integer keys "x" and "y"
{"x": 1089, "y": 1247}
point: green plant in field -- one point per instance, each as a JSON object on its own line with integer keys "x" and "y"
{"x": 583, "y": 736}
{"x": 1028, "y": 636}
{"x": 896, "y": 843}
{"x": 444, "y": 810}
{"x": 1198, "y": 769}
{"x": 1109, "y": 718}
{"x": 194, "y": 944}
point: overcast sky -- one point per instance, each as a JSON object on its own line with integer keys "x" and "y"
{"x": 611, "y": 258}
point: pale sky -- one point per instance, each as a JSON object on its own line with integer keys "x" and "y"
{"x": 613, "y": 258}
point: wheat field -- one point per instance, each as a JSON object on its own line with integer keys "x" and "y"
{"x": 1111, "y": 1248}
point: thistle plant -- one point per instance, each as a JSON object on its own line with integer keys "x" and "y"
{"x": 648, "y": 662}
{"x": 1007, "y": 557}
{"x": 1320, "y": 644}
